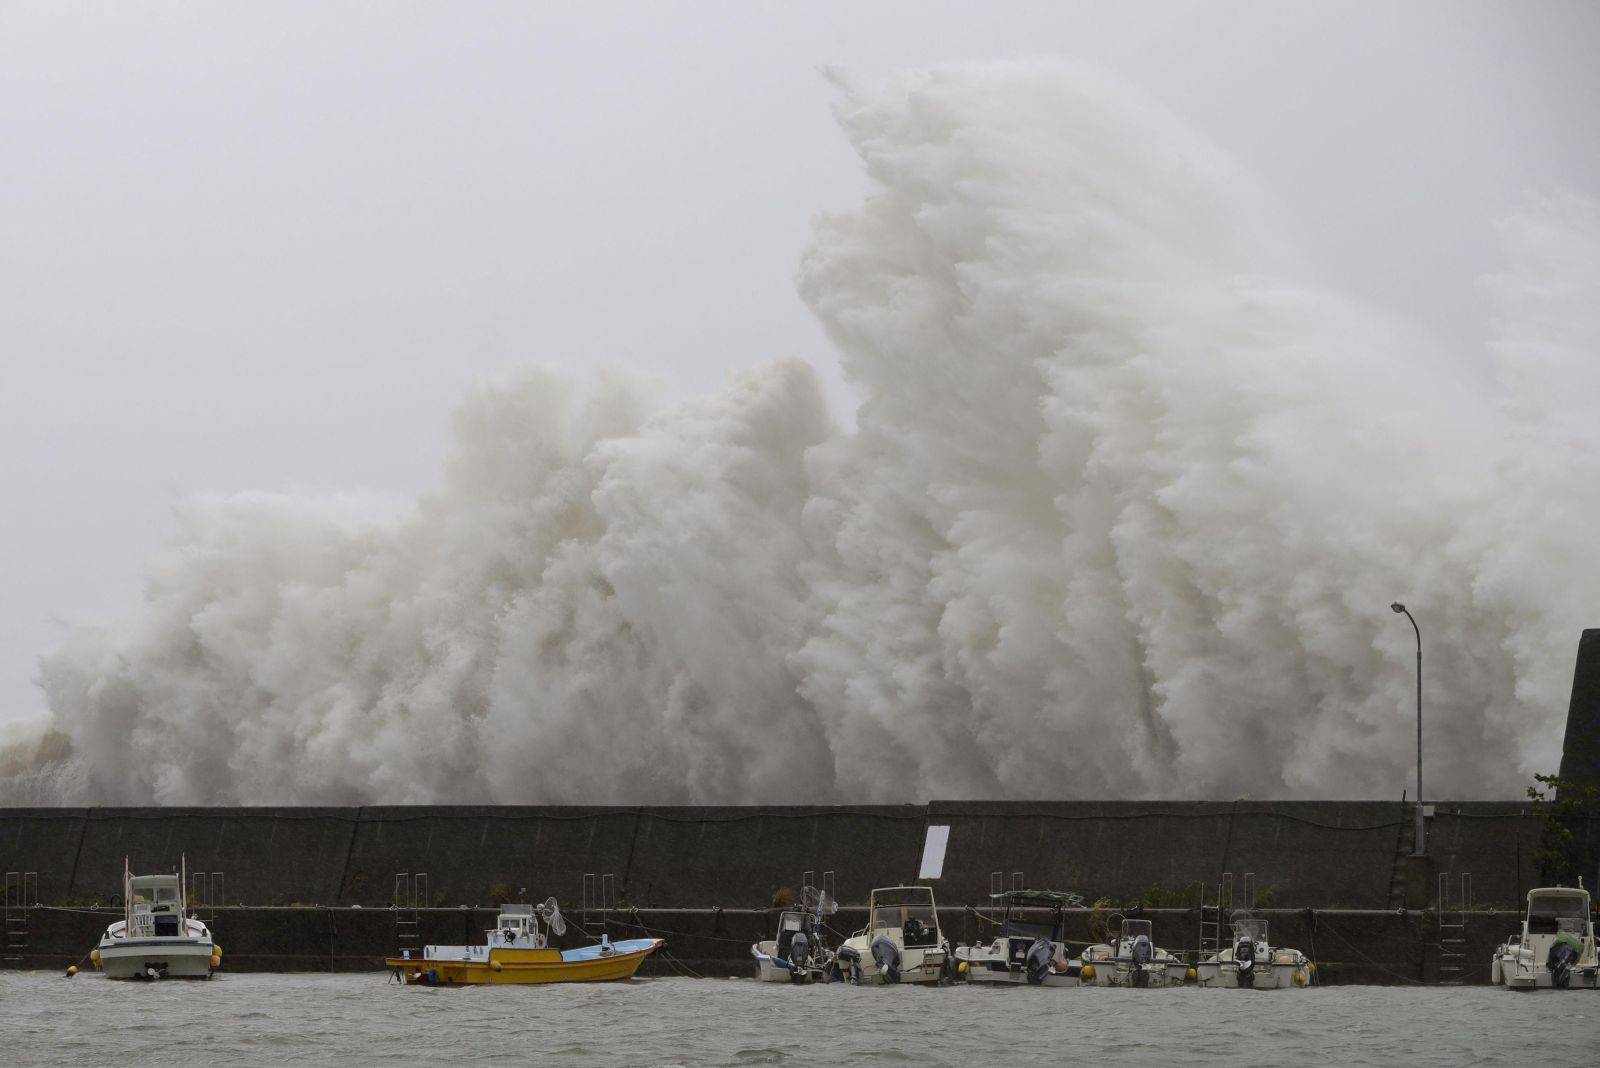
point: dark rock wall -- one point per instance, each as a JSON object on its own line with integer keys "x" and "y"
{"x": 1302, "y": 854}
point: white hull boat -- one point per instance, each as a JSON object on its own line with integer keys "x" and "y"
{"x": 1031, "y": 949}
{"x": 1555, "y": 950}
{"x": 902, "y": 942}
{"x": 156, "y": 938}
{"x": 1134, "y": 961}
{"x": 799, "y": 954}
{"x": 1250, "y": 962}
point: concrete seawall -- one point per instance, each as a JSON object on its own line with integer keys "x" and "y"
{"x": 1304, "y": 854}
{"x": 311, "y": 888}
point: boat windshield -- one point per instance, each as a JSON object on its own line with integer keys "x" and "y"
{"x": 917, "y": 924}
{"x": 1250, "y": 927}
{"x": 1550, "y": 914}
{"x": 1132, "y": 929}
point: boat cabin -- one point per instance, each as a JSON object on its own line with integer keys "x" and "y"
{"x": 154, "y": 906}
{"x": 1559, "y": 910}
{"x": 1023, "y": 917}
{"x": 1032, "y": 915}
{"x": 516, "y": 927}
{"x": 790, "y": 924}
{"x": 906, "y": 914}
{"x": 1555, "y": 909}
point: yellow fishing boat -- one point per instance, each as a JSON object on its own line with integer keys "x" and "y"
{"x": 516, "y": 950}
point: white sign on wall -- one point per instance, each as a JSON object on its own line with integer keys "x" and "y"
{"x": 933, "y": 851}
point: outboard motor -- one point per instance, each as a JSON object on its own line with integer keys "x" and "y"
{"x": 1244, "y": 957}
{"x": 850, "y": 963}
{"x": 887, "y": 954}
{"x": 1141, "y": 953}
{"x": 1040, "y": 959}
{"x": 799, "y": 953}
{"x": 1560, "y": 961}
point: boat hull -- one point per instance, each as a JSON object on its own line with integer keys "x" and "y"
{"x": 177, "y": 958}
{"x": 917, "y": 965}
{"x": 1115, "y": 973}
{"x": 980, "y": 972}
{"x": 770, "y": 969}
{"x": 996, "y": 964}
{"x": 1267, "y": 977}
{"x": 529, "y": 967}
{"x": 1539, "y": 978}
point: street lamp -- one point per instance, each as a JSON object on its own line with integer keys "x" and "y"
{"x": 1421, "y": 842}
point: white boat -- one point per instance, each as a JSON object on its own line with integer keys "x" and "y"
{"x": 1251, "y": 962}
{"x": 156, "y": 937}
{"x": 1031, "y": 948}
{"x": 1135, "y": 960}
{"x": 1555, "y": 949}
{"x": 799, "y": 953}
{"x": 902, "y": 942}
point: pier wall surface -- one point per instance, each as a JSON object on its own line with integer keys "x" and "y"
{"x": 1301, "y": 854}
{"x": 314, "y": 888}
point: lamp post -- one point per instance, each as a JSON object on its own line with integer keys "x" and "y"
{"x": 1421, "y": 841}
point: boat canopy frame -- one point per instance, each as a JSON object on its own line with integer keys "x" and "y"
{"x": 1056, "y": 902}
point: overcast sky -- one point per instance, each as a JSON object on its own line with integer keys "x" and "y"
{"x": 267, "y": 246}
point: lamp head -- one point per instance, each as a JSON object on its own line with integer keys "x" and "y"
{"x": 1397, "y": 607}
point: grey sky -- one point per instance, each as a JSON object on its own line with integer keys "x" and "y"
{"x": 267, "y": 246}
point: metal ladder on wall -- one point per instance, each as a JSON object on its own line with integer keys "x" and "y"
{"x": 206, "y": 891}
{"x": 21, "y": 891}
{"x": 1453, "y": 929}
{"x": 1397, "y": 879}
{"x": 997, "y": 882}
{"x": 597, "y": 895}
{"x": 410, "y": 895}
{"x": 1215, "y": 915}
{"x": 808, "y": 882}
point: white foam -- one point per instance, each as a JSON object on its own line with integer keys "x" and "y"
{"x": 1122, "y": 515}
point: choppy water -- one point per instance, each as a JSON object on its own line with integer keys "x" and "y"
{"x": 361, "y": 1019}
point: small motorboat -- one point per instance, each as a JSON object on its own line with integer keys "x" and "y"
{"x": 516, "y": 950}
{"x": 1251, "y": 962}
{"x": 799, "y": 953}
{"x": 1555, "y": 949}
{"x": 1135, "y": 960}
{"x": 156, "y": 937}
{"x": 1032, "y": 945}
{"x": 902, "y": 942}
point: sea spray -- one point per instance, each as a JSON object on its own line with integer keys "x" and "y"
{"x": 1120, "y": 515}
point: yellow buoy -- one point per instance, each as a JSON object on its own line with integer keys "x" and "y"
{"x": 72, "y": 969}
{"x": 216, "y": 961}
{"x": 1087, "y": 975}
{"x": 494, "y": 965}
{"x": 216, "y": 951}
{"x": 1300, "y": 977}
{"x": 961, "y": 967}
{"x": 1191, "y": 975}
{"x": 1312, "y": 968}
{"x": 94, "y": 955}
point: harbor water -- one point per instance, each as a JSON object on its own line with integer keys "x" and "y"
{"x": 345, "y": 1019}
